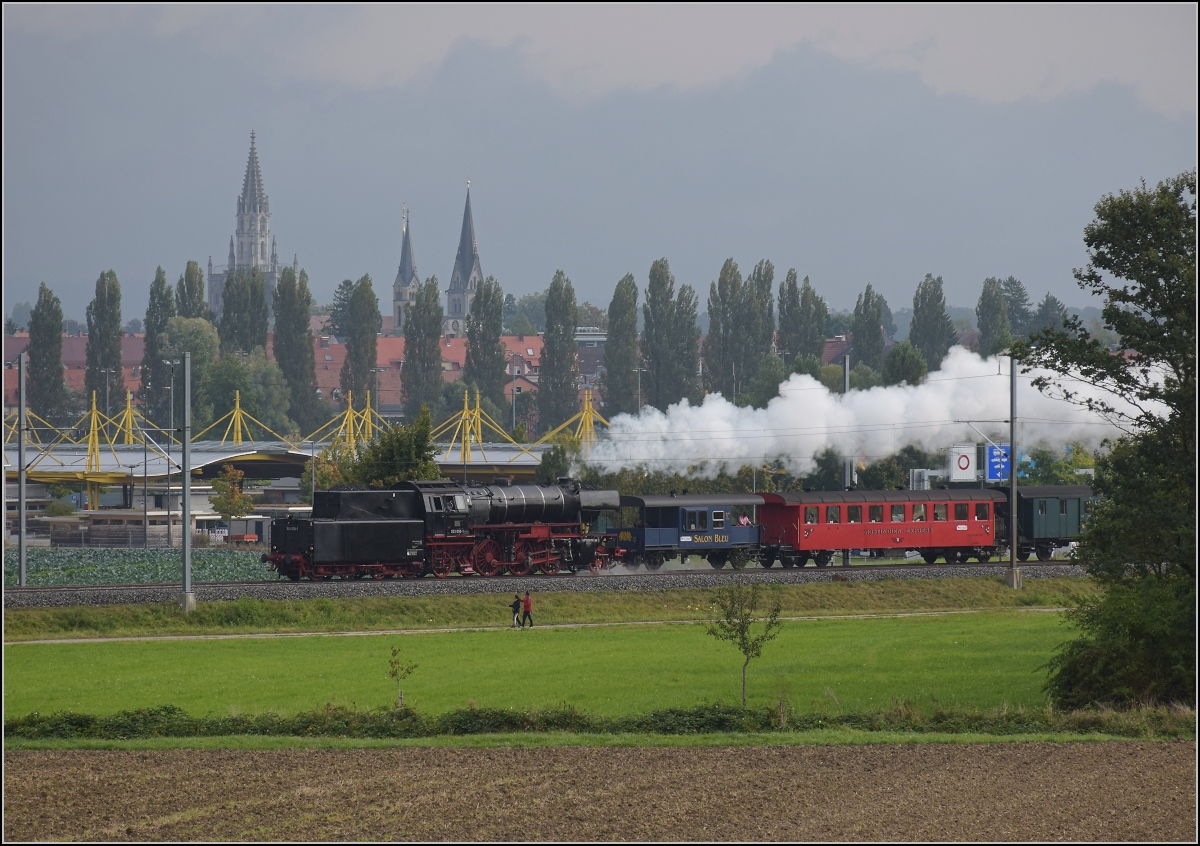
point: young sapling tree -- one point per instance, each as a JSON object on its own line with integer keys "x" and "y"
{"x": 399, "y": 669}
{"x": 737, "y": 617}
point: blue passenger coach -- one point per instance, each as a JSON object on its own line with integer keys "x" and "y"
{"x": 719, "y": 527}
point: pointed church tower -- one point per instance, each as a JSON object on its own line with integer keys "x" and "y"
{"x": 252, "y": 245}
{"x": 465, "y": 277}
{"x": 404, "y": 289}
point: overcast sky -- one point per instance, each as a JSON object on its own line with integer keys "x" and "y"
{"x": 858, "y": 144}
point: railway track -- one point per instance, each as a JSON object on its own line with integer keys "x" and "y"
{"x": 617, "y": 579}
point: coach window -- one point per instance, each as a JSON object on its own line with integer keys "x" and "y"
{"x": 875, "y": 513}
{"x": 833, "y": 514}
{"x": 919, "y": 512}
{"x": 718, "y": 520}
{"x": 853, "y": 513}
{"x": 1062, "y": 507}
{"x": 1042, "y": 507}
{"x": 939, "y": 512}
{"x": 898, "y": 513}
{"x": 961, "y": 510}
{"x": 811, "y": 513}
{"x": 981, "y": 511}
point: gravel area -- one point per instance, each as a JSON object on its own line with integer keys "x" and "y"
{"x": 1033, "y": 792}
{"x": 614, "y": 580}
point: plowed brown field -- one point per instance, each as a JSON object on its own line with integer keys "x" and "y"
{"x": 1120, "y": 791}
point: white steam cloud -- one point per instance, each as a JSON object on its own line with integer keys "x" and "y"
{"x": 806, "y": 418}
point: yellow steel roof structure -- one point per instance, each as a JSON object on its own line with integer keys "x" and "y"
{"x": 468, "y": 427}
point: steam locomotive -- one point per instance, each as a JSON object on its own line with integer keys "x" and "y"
{"x": 418, "y": 528}
{"x": 441, "y": 528}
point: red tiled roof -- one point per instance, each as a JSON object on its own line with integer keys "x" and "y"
{"x": 835, "y": 349}
{"x": 74, "y": 359}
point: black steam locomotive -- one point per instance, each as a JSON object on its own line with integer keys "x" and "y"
{"x": 417, "y": 528}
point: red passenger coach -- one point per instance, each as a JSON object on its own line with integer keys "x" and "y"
{"x": 954, "y": 524}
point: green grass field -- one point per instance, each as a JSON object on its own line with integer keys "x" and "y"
{"x": 982, "y": 659}
{"x": 469, "y": 610}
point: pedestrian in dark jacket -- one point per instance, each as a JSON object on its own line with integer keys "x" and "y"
{"x": 516, "y": 609}
{"x": 528, "y": 615}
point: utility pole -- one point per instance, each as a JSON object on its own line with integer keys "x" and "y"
{"x": 847, "y": 462}
{"x": 1013, "y": 577}
{"x": 21, "y": 566}
{"x": 514, "y": 358}
{"x": 188, "y": 600}
{"x": 170, "y": 435}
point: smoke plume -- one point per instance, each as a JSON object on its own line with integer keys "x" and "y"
{"x": 805, "y": 419}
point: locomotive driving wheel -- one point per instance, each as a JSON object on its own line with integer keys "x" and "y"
{"x": 442, "y": 565}
{"x": 522, "y": 561}
{"x": 488, "y": 561}
{"x": 599, "y": 562}
{"x": 552, "y": 564}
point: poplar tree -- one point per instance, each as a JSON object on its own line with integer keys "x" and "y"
{"x": 156, "y": 376}
{"x": 619, "y": 383}
{"x": 558, "y": 379}
{"x": 789, "y": 316}
{"x": 47, "y": 390}
{"x": 685, "y": 345}
{"x": 811, "y": 329}
{"x": 189, "y": 293}
{"x": 868, "y": 329}
{"x": 104, "y": 376}
{"x": 362, "y": 313}
{"x": 484, "y": 365}
{"x": 244, "y": 314}
{"x": 669, "y": 340}
{"x": 294, "y": 349}
{"x": 991, "y": 314}
{"x": 720, "y": 355}
{"x": 932, "y": 330}
{"x": 755, "y": 321}
{"x": 422, "y": 374}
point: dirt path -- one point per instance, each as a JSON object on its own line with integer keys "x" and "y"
{"x": 1120, "y": 791}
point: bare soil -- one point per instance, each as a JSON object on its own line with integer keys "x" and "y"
{"x": 1118, "y": 791}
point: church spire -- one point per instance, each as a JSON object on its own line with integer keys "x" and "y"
{"x": 407, "y": 274}
{"x": 465, "y": 278}
{"x": 466, "y": 274}
{"x": 404, "y": 290}
{"x": 254, "y": 196}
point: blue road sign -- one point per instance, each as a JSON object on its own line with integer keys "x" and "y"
{"x": 997, "y": 463}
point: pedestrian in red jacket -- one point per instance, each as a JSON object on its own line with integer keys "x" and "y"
{"x": 528, "y": 615}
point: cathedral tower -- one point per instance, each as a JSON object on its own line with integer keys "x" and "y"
{"x": 464, "y": 279}
{"x": 404, "y": 289}
{"x": 253, "y": 245}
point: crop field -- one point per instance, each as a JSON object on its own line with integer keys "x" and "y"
{"x": 51, "y": 567}
{"x": 984, "y": 659}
